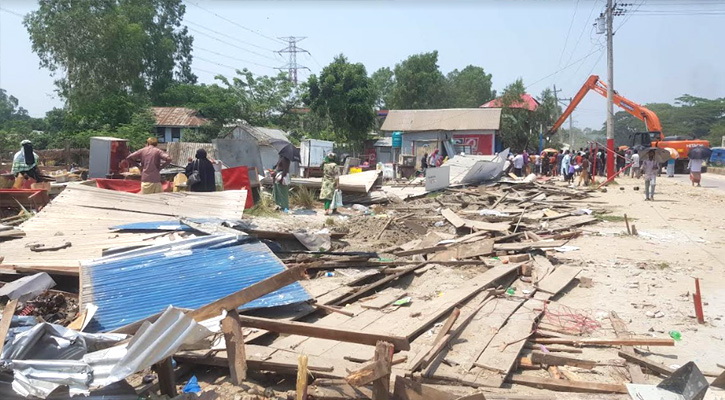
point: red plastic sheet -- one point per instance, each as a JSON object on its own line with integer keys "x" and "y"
{"x": 238, "y": 178}
{"x": 129, "y": 186}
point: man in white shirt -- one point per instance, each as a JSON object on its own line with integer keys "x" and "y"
{"x": 518, "y": 164}
{"x": 695, "y": 167}
{"x": 650, "y": 169}
{"x": 635, "y": 165}
{"x": 565, "y": 162}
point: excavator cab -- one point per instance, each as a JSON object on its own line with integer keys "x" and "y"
{"x": 643, "y": 140}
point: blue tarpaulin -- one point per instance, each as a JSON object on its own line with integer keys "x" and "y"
{"x": 134, "y": 285}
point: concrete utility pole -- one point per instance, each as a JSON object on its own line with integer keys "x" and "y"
{"x": 610, "y": 92}
{"x": 292, "y": 49}
{"x": 571, "y": 116}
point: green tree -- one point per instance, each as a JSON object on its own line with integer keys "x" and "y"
{"x": 114, "y": 55}
{"x": 383, "y": 83}
{"x": 214, "y": 102}
{"x": 419, "y": 83}
{"x": 263, "y": 100}
{"x": 469, "y": 88}
{"x": 9, "y": 108}
{"x": 344, "y": 94}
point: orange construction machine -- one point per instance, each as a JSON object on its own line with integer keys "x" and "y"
{"x": 652, "y": 138}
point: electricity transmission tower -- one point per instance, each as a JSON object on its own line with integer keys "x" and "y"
{"x": 292, "y": 49}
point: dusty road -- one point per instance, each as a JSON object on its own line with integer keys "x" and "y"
{"x": 709, "y": 181}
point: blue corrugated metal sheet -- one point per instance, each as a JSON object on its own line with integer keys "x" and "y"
{"x": 188, "y": 274}
{"x": 172, "y": 225}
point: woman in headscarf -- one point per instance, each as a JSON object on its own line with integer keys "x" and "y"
{"x": 280, "y": 190}
{"x": 25, "y": 162}
{"x": 330, "y": 178}
{"x": 206, "y": 173}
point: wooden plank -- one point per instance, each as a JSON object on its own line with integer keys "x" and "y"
{"x": 634, "y": 341}
{"x": 424, "y": 250}
{"x": 539, "y": 357}
{"x": 504, "y": 349}
{"x": 479, "y": 248}
{"x": 406, "y": 389}
{"x": 383, "y": 357}
{"x": 379, "y": 283}
{"x": 553, "y": 349}
{"x": 383, "y": 299}
{"x": 341, "y": 391}
{"x": 567, "y": 386}
{"x": 558, "y": 280}
{"x": 248, "y": 294}
{"x": 523, "y": 246}
{"x": 167, "y": 379}
{"x": 453, "y": 218}
{"x": 620, "y": 328}
{"x": 311, "y": 330}
{"x": 659, "y": 368}
{"x": 302, "y": 375}
{"x": 234, "y": 339}
{"x": 8, "y": 313}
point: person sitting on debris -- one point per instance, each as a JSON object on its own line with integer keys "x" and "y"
{"x": 152, "y": 161}
{"x": 330, "y": 181}
{"x": 518, "y": 164}
{"x": 25, "y": 162}
{"x": 650, "y": 169}
{"x": 206, "y": 173}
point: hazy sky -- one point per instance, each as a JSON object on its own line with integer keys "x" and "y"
{"x": 663, "y": 49}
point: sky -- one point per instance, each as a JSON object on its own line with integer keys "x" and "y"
{"x": 662, "y": 48}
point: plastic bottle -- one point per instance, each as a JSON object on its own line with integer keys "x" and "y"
{"x": 676, "y": 335}
{"x": 510, "y": 291}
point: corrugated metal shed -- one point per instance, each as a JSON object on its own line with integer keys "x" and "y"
{"x": 189, "y": 274}
{"x": 180, "y": 117}
{"x": 181, "y": 151}
{"x": 453, "y": 119}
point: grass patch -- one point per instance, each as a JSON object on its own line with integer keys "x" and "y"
{"x": 304, "y": 198}
{"x": 265, "y": 207}
{"x": 434, "y": 195}
{"x": 662, "y": 265}
{"x": 330, "y": 221}
{"x": 611, "y": 218}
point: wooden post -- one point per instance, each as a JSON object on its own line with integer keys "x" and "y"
{"x": 236, "y": 356}
{"x": 8, "y": 313}
{"x": 167, "y": 380}
{"x": 302, "y": 377}
{"x": 383, "y": 354}
{"x": 696, "y": 297}
{"x": 626, "y": 221}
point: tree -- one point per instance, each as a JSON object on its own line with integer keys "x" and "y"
{"x": 115, "y": 55}
{"x": 383, "y": 83}
{"x": 263, "y": 100}
{"x": 9, "y": 108}
{"x": 344, "y": 94}
{"x": 214, "y": 102}
{"x": 469, "y": 88}
{"x": 419, "y": 83}
{"x": 520, "y": 127}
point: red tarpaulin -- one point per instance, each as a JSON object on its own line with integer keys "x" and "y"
{"x": 238, "y": 178}
{"x": 129, "y": 186}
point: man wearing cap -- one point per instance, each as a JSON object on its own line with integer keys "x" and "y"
{"x": 152, "y": 161}
{"x": 25, "y": 162}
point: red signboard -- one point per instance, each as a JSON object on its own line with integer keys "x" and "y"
{"x": 473, "y": 144}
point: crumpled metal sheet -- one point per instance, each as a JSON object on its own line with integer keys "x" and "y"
{"x": 27, "y": 287}
{"x": 54, "y": 342}
{"x": 153, "y": 343}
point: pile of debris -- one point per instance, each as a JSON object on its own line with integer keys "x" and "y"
{"x": 445, "y": 296}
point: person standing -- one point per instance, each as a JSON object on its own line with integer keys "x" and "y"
{"x": 538, "y": 164}
{"x": 152, "y": 160}
{"x": 584, "y": 175}
{"x": 627, "y": 161}
{"x": 330, "y": 181}
{"x": 565, "y": 164}
{"x": 424, "y": 162}
{"x": 650, "y": 169}
{"x": 695, "y": 167}
{"x": 518, "y": 164}
{"x": 635, "y": 165}
{"x": 671, "y": 168}
{"x": 205, "y": 170}
{"x": 282, "y": 180}
{"x": 527, "y": 165}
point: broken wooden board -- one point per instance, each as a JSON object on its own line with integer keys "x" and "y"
{"x": 620, "y": 329}
{"x": 633, "y": 341}
{"x": 459, "y": 222}
{"x": 383, "y": 299}
{"x": 567, "y": 386}
{"x": 406, "y": 389}
{"x": 539, "y": 357}
{"x": 558, "y": 280}
{"x": 453, "y": 218}
{"x": 465, "y": 250}
{"x": 567, "y": 223}
{"x": 524, "y": 246}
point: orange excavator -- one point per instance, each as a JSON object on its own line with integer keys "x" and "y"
{"x": 652, "y": 138}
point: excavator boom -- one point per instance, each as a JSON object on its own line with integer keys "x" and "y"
{"x": 650, "y": 119}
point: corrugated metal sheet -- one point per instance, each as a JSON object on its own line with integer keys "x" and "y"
{"x": 181, "y": 117}
{"x": 189, "y": 274}
{"x": 453, "y": 119}
{"x": 169, "y": 225}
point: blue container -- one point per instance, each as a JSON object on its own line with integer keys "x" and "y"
{"x": 717, "y": 158}
{"x": 398, "y": 139}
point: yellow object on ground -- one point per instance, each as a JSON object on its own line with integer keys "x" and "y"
{"x": 355, "y": 170}
{"x": 180, "y": 179}
{"x": 151, "y": 188}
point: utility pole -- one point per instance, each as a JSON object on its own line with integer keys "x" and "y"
{"x": 292, "y": 49}
{"x": 571, "y": 115}
{"x": 610, "y": 91}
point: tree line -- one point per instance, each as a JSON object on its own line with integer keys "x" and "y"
{"x": 114, "y": 59}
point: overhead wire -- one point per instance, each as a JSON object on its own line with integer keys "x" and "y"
{"x": 237, "y": 24}
{"x": 568, "y": 33}
{"x": 232, "y": 44}
{"x": 565, "y": 67}
{"x": 12, "y": 12}
{"x": 584, "y": 28}
{"x": 232, "y": 57}
{"x": 229, "y": 36}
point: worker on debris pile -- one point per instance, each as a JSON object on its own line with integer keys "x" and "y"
{"x": 25, "y": 162}
{"x": 205, "y": 172}
{"x": 584, "y": 175}
{"x": 282, "y": 181}
{"x": 650, "y": 169}
{"x": 152, "y": 160}
{"x": 330, "y": 181}
{"x": 518, "y": 164}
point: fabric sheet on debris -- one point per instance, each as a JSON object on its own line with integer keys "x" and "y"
{"x": 134, "y": 285}
{"x": 49, "y": 356}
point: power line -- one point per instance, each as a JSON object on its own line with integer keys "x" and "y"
{"x": 561, "y": 69}
{"x": 231, "y": 44}
{"x": 12, "y": 12}
{"x": 232, "y": 57}
{"x": 561, "y": 57}
{"x": 229, "y": 36}
{"x": 236, "y": 23}
{"x": 584, "y": 28}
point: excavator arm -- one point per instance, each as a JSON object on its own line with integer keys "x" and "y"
{"x": 650, "y": 119}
